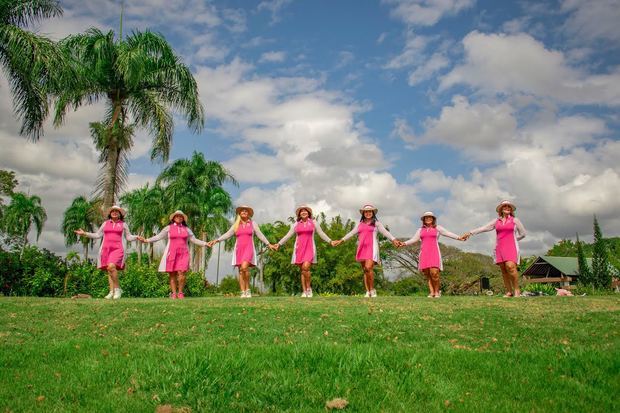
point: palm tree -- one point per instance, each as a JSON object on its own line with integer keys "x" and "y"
{"x": 29, "y": 61}
{"x": 195, "y": 185}
{"x": 114, "y": 145}
{"x": 146, "y": 213}
{"x": 139, "y": 78}
{"x": 21, "y": 214}
{"x": 81, "y": 214}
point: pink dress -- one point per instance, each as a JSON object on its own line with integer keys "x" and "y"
{"x": 305, "y": 247}
{"x": 112, "y": 250}
{"x": 506, "y": 245}
{"x": 367, "y": 244}
{"x": 244, "y": 246}
{"x": 430, "y": 254}
{"x": 176, "y": 254}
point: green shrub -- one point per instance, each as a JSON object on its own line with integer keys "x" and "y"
{"x": 229, "y": 285}
{"x": 406, "y": 286}
{"x": 546, "y": 289}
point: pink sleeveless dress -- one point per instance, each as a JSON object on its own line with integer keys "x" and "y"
{"x": 506, "y": 248}
{"x": 366, "y": 240}
{"x": 112, "y": 250}
{"x": 430, "y": 255}
{"x": 177, "y": 258}
{"x": 244, "y": 248}
{"x": 304, "y": 245}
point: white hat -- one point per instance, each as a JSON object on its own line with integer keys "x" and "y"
{"x": 427, "y": 214}
{"x": 178, "y": 212}
{"x": 247, "y": 208}
{"x": 504, "y": 203}
{"x": 368, "y": 207}
{"x": 303, "y": 206}
{"x": 116, "y": 208}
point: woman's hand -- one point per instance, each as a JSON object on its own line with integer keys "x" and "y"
{"x": 336, "y": 243}
{"x": 80, "y": 232}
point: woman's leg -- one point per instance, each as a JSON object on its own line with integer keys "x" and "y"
{"x": 305, "y": 276}
{"x": 244, "y": 276}
{"x": 369, "y": 275}
{"x": 507, "y": 284}
{"x": 172, "y": 275}
{"x": 431, "y": 287}
{"x": 434, "y": 279}
{"x": 513, "y": 277}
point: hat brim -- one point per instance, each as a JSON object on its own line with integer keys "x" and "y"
{"x": 174, "y": 214}
{"x": 431, "y": 216}
{"x": 121, "y": 210}
{"x": 247, "y": 208}
{"x": 298, "y": 210}
{"x": 503, "y": 204}
{"x": 372, "y": 210}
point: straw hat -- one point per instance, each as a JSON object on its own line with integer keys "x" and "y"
{"x": 428, "y": 214}
{"x": 504, "y": 203}
{"x": 368, "y": 207}
{"x": 247, "y": 208}
{"x": 303, "y": 206}
{"x": 115, "y": 208}
{"x": 178, "y": 212}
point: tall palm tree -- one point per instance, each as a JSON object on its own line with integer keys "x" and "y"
{"x": 114, "y": 145}
{"x": 81, "y": 214}
{"x": 146, "y": 213}
{"x": 20, "y": 214}
{"x": 195, "y": 185}
{"x": 139, "y": 78}
{"x": 29, "y": 61}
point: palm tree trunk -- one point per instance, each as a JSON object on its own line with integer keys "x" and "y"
{"x": 203, "y": 236}
{"x": 111, "y": 172}
{"x": 85, "y": 252}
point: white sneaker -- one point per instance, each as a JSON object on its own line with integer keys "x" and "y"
{"x": 109, "y": 296}
{"x": 248, "y": 294}
{"x": 243, "y": 294}
{"x": 304, "y": 295}
{"x": 367, "y": 295}
{"x": 309, "y": 293}
{"x": 373, "y": 293}
{"x": 117, "y": 293}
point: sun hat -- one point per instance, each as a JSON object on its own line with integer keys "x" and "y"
{"x": 427, "y": 214}
{"x": 504, "y": 203}
{"x": 368, "y": 207}
{"x": 178, "y": 212}
{"x": 247, "y": 208}
{"x": 303, "y": 206}
{"x": 115, "y": 208}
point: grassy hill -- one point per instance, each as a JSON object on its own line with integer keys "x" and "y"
{"x": 289, "y": 354}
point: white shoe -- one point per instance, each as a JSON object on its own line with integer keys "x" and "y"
{"x": 309, "y": 293}
{"x": 373, "y": 293}
{"x": 304, "y": 295}
{"x": 109, "y": 296}
{"x": 243, "y": 294}
{"x": 117, "y": 293}
{"x": 367, "y": 295}
{"x": 248, "y": 294}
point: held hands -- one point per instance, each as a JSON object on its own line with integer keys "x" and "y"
{"x": 210, "y": 244}
{"x": 142, "y": 239}
{"x": 465, "y": 236}
{"x": 336, "y": 243}
{"x": 274, "y": 247}
{"x": 80, "y": 232}
{"x": 398, "y": 243}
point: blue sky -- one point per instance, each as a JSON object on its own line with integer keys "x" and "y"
{"x": 445, "y": 105}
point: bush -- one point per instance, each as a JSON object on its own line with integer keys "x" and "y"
{"x": 406, "y": 286}
{"x": 546, "y": 289}
{"x": 229, "y": 285}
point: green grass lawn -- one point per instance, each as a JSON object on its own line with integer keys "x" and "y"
{"x": 291, "y": 354}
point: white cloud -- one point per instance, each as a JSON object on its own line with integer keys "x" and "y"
{"x": 274, "y": 7}
{"x": 272, "y": 57}
{"x": 497, "y": 63}
{"x": 592, "y": 20}
{"x": 426, "y": 12}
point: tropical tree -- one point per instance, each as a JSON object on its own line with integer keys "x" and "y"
{"x": 195, "y": 186}
{"x": 601, "y": 271}
{"x": 146, "y": 213}
{"x": 20, "y": 214}
{"x": 140, "y": 80}
{"x": 585, "y": 274}
{"x": 30, "y": 62}
{"x": 84, "y": 214}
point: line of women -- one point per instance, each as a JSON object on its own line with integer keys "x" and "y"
{"x": 175, "y": 261}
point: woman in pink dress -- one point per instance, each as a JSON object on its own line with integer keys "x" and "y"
{"x": 509, "y": 230}
{"x": 304, "y": 251}
{"x": 175, "y": 260}
{"x": 429, "y": 261}
{"x": 112, "y": 251}
{"x": 244, "y": 254}
{"x": 367, "y": 245}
